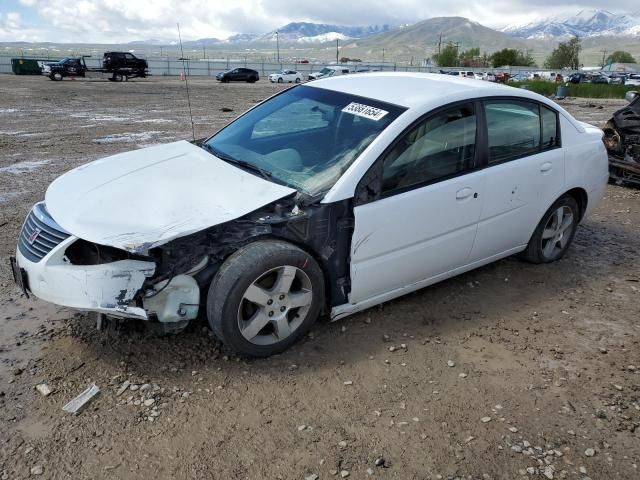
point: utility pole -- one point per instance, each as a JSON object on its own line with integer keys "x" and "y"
{"x": 337, "y": 50}
{"x": 278, "y": 46}
{"x": 383, "y": 57}
{"x": 604, "y": 55}
{"x": 204, "y": 52}
{"x": 440, "y": 43}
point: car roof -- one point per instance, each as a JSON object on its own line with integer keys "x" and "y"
{"x": 423, "y": 90}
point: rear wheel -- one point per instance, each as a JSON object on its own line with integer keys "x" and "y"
{"x": 298, "y": 80}
{"x": 265, "y": 297}
{"x": 554, "y": 233}
{"x": 118, "y": 77}
{"x": 56, "y": 76}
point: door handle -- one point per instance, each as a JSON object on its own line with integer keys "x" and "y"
{"x": 464, "y": 193}
{"x": 546, "y": 167}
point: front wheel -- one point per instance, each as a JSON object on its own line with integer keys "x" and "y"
{"x": 298, "y": 80}
{"x": 280, "y": 80}
{"x": 56, "y": 76}
{"x": 265, "y": 297}
{"x": 554, "y": 233}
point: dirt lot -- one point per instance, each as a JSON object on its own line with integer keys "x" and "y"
{"x": 510, "y": 371}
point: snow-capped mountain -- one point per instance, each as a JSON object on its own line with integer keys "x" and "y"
{"x": 305, "y": 32}
{"x": 297, "y": 32}
{"x": 324, "y": 38}
{"x": 586, "y": 23}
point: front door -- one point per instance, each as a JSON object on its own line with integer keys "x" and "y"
{"x": 423, "y": 223}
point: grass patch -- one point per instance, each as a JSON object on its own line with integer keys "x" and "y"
{"x": 584, "y": 90}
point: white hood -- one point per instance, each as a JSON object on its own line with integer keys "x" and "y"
{"x": 145, "y": 198}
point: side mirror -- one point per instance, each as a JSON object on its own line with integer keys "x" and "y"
{"x": 631, "y": 96}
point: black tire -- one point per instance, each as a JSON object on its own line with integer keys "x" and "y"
{"x": 117, "y": 77}
{"x": 535, "y": 251}
{"x": 226, "y": 297}
{"x": 56, "y": 77}
{"x": 280, "y": 80}
{"x": 298, "y": 80}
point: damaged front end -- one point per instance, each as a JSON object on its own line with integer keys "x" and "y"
{"x": 622, "y": 139}
{"x": 63, "y": 269}
{"x": 169, "y": 283}
{"x": 186, "y": 266}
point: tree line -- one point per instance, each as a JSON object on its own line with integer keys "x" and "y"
{"x": 565, "y": 55}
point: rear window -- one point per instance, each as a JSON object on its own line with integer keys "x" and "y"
{"x": 513, "y": 129}
{"x": 517, "y": 128}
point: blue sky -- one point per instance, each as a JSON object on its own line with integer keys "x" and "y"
{"x": 118, "y": 21}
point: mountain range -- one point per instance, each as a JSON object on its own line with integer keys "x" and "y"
{"x": 585, "y": 24}
{"x": 292, "y": 33}
{"x": 600, "y": 31}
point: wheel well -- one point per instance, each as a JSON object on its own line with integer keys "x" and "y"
{"x": 580, "y": 196}
{"x": 326, "y": 307}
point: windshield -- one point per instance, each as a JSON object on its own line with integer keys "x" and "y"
{"x": 326, "y": 71}
{"x": 305, "y": 137}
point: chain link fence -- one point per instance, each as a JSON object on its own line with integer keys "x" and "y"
{"x": 168, "y": 66}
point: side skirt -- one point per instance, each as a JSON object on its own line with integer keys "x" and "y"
{"x": 347, "y": 309}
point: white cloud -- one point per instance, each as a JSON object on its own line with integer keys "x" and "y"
{"x": 12, "y": 28}
{"x": 124, "y": 20}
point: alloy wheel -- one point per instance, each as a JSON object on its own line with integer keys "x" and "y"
{"x": 557, "y": 232}
{"x": 275, "y": 305}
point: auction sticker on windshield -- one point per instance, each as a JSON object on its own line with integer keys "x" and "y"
{"x": 372, "y": 113}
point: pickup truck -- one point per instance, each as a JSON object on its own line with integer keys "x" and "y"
{"x": 121, "y": 66}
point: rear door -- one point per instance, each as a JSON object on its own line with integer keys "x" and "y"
{"x": 423, "y": 222}
{"x": 525, "y": 174}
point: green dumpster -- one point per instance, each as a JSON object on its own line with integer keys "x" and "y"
{"x": 25, "y": 66}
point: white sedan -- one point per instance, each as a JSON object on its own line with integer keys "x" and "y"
{"x": 286, "y": 76}
{"x": 329, "y": 197}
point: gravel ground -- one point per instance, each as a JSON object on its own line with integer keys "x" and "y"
{"x": 510, "y": 371}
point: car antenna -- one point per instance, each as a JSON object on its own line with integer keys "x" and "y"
{"x": 186, "y": 83}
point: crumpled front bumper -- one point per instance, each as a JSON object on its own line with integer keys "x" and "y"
{"x": 108, "y": 288}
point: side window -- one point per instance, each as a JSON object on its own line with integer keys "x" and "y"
{"x": 550, "y": 137}
{"x": 441, "y": 146}
{"x": 305, "y": 114}
{"x": 128, "y": 56}
{"x": 513, "y": 128}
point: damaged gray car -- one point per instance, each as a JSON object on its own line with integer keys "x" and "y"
{"x": 622, "y": 138}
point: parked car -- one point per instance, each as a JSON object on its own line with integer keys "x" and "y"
{"x": 633, "y": 79}
{"x": 238, "y": 75}
{"x": 467, "y": 74}
{"x": 286, "y": 76}
{"x": 614, "y": 78}
{"x": 489, "y": 77}
{"x": 502, "y": 77}
{"x": 587, "y": 78}
{"x": 622, "y": 139}
{"x": 384, "y": 184}
{"x": 599, "y": 78}
{"x": 329, "y": 72}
